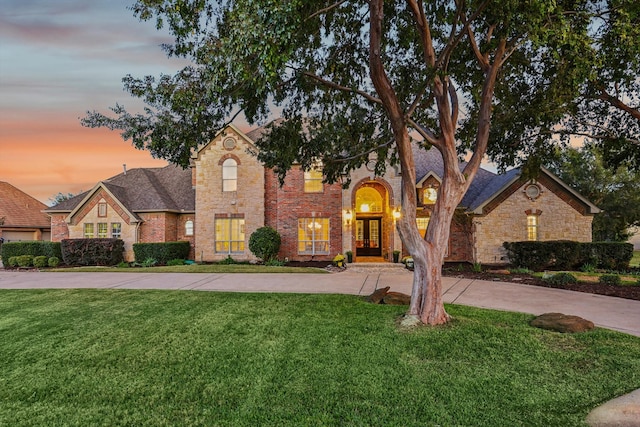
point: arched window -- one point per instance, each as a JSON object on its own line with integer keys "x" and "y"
{"x": 368, "y": 200}
{"x": 230, "y": 175}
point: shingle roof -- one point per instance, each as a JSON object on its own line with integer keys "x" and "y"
{"x": 484, "y": 186}
{"x": 20, "y": 209}
{"x": 146, "y": 189}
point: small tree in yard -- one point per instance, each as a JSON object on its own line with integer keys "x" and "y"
{"x": 265, "y": 243}
{"x": 352, "y": 78}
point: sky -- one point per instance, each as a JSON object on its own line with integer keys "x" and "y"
{"x": 58, "y": 60}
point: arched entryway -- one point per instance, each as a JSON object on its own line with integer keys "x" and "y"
{"x": 373, "y": 223}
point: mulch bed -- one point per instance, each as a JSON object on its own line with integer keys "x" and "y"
{"x": 628, "y": 292}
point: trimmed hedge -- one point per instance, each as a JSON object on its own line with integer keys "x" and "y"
{"x": 34, "y": 248}
{"x": 92, "y": 251}
{"x": 569, "y": 255}
{"x": 161, "y": 252}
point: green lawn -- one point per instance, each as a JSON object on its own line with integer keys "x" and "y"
{"x": 154, "y": 358}
{"x": 635, "y": 261}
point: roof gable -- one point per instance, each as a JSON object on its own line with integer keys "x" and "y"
{"x": 18, "y": 209}
{"x": 142, "y": 190}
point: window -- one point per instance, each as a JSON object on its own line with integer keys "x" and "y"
{"x": 102, "y": 230}
{"x": 229, "y": 235}
{"x": 532, "y": 227}
{"x": 116, "y": 230}
{"x": 188, "y": 228}
{"x": 230, "y": 175}
{"x": 102, "y": 209}
{"x": 430, "y": 195}
{"x": 422, "y": 224}
{"x": 313, "y": 236}
{"x": 313, "y": 181}
{"x": 88, "y": 231}
{"x": 369, "y": 200}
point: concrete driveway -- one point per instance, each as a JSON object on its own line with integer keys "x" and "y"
{"x": 607, "y": 312}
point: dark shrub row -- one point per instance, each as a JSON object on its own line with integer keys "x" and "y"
{"x": 569, "y": 255}
{"x": 33, "y": 248}
{"x": 161, "y": 252}
{"x": 92, "y": 251}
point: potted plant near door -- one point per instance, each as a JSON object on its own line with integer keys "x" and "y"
{"x": 349, "y": 255}
{"x": 396, "y": 256}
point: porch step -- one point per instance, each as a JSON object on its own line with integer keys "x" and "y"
{"x": 377, "y": 267}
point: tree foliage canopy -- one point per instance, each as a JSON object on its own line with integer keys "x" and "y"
{"x": 616, "y": 192}
{"x": 309, "y": 63}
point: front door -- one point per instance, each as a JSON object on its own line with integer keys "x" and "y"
{"x": 368, "y": 237}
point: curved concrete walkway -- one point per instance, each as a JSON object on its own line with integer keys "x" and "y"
{"x": 606, "y": 312}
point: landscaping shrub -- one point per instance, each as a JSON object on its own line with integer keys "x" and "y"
{"x": 567, "y": 255}
{"x": 149, "y": 262}
{"x": 123, "y": 264}
{"x": 53, "y": 262}
{"x": 610, "y": 279}
{"x": 177, "y": 261}
{"x": 264, "y": 243}
{"x": 162, "y": 252}
{"x": 532, "y": 255}
{"x": 35, "y": 248}
{"x": 40, "y": 261}
{"x": 228, "y": 260}
{"x": 561, "y": 279}
{"x": 92, "y": 251}
{"x": 25, "y": 260}
{"x": 12, "y": 261}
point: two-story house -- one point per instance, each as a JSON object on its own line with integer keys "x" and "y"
{"x": 227, "y": 194}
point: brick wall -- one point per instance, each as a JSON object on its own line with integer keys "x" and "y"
{"x": 285, "y": 204}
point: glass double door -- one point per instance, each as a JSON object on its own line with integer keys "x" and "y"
{"x": 368, "y": 237}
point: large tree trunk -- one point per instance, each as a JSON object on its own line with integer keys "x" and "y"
{"x": 427, "y": 306}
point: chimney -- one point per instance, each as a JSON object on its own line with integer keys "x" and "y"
{"x": 124, "y": 167}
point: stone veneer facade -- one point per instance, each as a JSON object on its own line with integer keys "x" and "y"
{"x": 559, "y": 218}
{"x": 212, "y": 202}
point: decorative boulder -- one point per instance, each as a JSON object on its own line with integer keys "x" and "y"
{"x": 396, "y": 298}
{"x": 562, "y": 323}
{"x": 378, "y": 295}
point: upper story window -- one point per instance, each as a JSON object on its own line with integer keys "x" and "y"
{"x": 188, "y": 228}
{"x": 230, "y": 175}
{"x": 102, "y": 209}
{"x": 313, "y": 181}
{"x": 429, "y": 195}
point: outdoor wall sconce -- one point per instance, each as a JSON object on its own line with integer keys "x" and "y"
{"x": 348, "y": 216}
{"x": 396, "y": 214}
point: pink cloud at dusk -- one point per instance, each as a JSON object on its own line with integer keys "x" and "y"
{"x": 59, "y": 60}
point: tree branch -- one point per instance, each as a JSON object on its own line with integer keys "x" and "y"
{"x": 336, "y": 86}
{"x": 427, "y": 134}
{"x": 355, "y": 156}
{"x": 617, "y": 102}
{"x": 326, "y": 9}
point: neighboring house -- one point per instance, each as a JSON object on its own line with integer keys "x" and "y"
{"x": 228, "y": 194}
{"x": 22, "y": 216}
{"x": 635, "y": 238}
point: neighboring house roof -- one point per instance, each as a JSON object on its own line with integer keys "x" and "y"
{"x": 143, "y": 190}
{"x": 18, "y": 209}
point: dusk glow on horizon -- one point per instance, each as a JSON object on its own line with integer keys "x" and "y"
{"x": 59, "y": 60}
